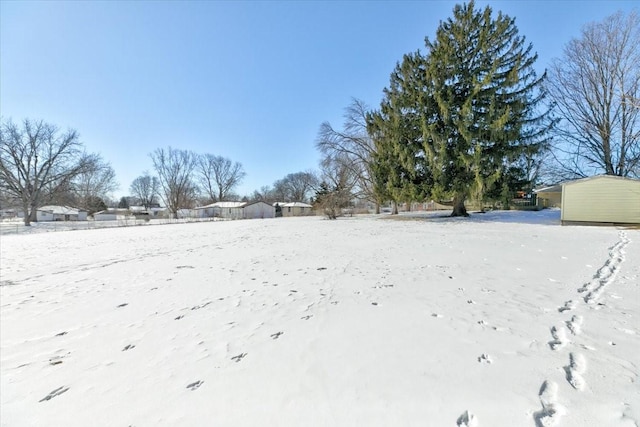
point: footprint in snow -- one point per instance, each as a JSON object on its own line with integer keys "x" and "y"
{"x": 276, "y": 335}
{"x": 577, "y": 366}
{"x": 123, "y": 305}
{"x": 568, "y": 305}
{"x": 128, "y": 347}
{"x": 551, "y": 411}
{"x": 467, "y": 419}
{"x": 307, "y": 317}
{"x": 54, "y": 393}
{"x": 575, "y": 325}
{"x": 559, "y": 338}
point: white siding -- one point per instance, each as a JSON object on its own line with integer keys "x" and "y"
{"x": 602, "y": 199}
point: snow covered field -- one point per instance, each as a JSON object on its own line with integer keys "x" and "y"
{"x": 503, "y": 319}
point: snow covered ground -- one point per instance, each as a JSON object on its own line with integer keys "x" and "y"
{"x": 502, "y": 319}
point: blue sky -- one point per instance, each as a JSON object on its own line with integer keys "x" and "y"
{"x": 251, "y": 81}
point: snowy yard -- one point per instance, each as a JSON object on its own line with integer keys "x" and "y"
{"x": 504, "y": 319}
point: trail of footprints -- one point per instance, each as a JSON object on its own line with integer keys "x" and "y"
{"x": 551, "y": 410}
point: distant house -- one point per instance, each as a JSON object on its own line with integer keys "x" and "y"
{"x": 110, "y": 214}
{"x": 601, "y": 199}
{"x": 296, "y": 209}
{"x": 236, "y": 210}
{"x": 60, "y": 213}
{"x": 549, "y": 197}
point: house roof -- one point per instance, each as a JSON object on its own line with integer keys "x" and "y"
{"x": 296, "y": 205}
{"x": 224, "y": 205}
{"x": 255, "y": 203}
{"x": 61, "y": 210}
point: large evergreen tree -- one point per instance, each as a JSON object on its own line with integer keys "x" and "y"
{"x": 474, "y": 97}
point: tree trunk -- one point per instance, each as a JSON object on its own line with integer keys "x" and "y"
{"x": 377, "y": 208}
{"x": 26, "y": 214}
{"x": 394, "y": 208}
{"x": 458, "y": 206}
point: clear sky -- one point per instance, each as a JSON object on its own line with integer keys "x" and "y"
{"x": 251, "y": 81}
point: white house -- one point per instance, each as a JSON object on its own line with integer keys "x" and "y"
{"x": 296, "y": 209}
{"x": 60, "y": 213}
{"x": 259, "y": 210}
{"x": 236, "y": 210}
{"x": 229, "y": 210}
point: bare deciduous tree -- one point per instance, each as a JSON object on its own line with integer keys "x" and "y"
{"x": 336, "y": 190}
{"x": 145, "y": 188}
{"x": 218, "y": 176}
{"x": 264, "y": 194}
{"x": 295, "y": 187}
{"x": 353, "y": 146}
{"x": 96, "y": 182}
{"x": 174, "y": 169}
{"x": 595, "y": 87}
{"x": 36, "y": 159}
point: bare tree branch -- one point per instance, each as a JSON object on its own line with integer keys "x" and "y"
{"x": 218, "y": 176}
{"x": 595, "y": 87}
{"x": 36, "y": 161}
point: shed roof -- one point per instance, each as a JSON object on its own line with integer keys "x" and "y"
{"x": 596, "y": 177}
{"x": 552, "y": 189}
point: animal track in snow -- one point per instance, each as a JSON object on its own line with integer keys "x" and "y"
{"x": 238, "y": 357}
{"x": 276, "y": 335}
{"x": 551, "y": 411}
{"x": 123, "y": 305}
{"x": 195, "y": 385}
{"x": 577, "y": 366}
{"x": 307, "y": 317}
{"x": 128, "y": 347}
{"x": 484, "y": 358}
{"x": 467, "y": 419}
{"x": 54, "y": 393}
{"x": 575, "y": 324}
{"x": 559, "y": 338}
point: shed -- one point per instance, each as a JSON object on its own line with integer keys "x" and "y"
{"x": 60, "y": 213}
{"x": 601, "y": 199}
{"x": 259, "y": 210}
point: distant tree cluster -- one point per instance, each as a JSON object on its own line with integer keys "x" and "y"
{"x": 470, "y": 119}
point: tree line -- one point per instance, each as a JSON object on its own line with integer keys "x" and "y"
{"x": 467, "y": 119}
